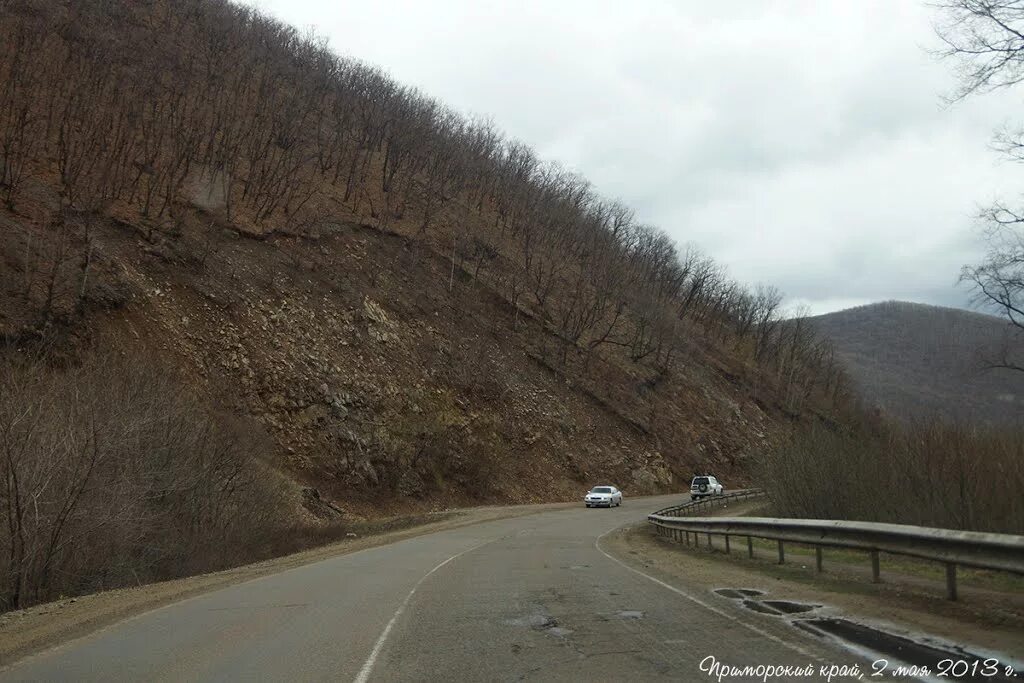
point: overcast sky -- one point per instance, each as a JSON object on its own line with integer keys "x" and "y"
{"x": 802, "y": 144}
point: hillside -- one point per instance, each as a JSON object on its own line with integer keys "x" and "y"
{"x": 372, "y": 303}
{"x": 914, "y": 360}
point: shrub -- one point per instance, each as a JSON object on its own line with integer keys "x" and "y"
{"x": 113, "y": 473}
{"x": 930, "y": 474}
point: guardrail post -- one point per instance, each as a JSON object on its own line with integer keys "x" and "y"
{"x": 876, "y": 574}
{"x": 782, "y": 553}
{"x": 817, "y": 559}
{"x": 951, "y": 580}
{"x": 710, "y": 547}
{"x": 750, "y": 547}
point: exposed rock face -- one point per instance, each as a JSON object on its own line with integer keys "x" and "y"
{"x": 384, "y": 389}
{"x": 652, "y": 477}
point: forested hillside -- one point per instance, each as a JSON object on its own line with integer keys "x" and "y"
{"x": 399, "y": 307}
{"x": 919, "y": 361}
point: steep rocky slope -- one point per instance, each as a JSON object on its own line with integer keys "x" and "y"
{"x": 416, "y": 310}
{"x": 381, "y": 387}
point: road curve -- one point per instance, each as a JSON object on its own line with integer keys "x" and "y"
{"x": 529, "y": 598}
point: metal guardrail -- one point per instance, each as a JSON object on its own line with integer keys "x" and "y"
{"x": 702, "y": 504}
{"x": 1002, "y": 552}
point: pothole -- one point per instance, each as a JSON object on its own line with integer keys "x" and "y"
{"x": 908, "y": 651}
{"x": 790, "y": 607}
{"x": 539, "y": 622}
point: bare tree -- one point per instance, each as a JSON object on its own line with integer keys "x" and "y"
{"x": 998, "y": 282}
{"x": 985, "y": 39}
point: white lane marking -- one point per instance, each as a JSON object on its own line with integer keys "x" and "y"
{"x": 711, "y": 608}
{"x": 364, "y": 673}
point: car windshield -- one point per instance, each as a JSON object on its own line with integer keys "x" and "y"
{"x": 601, "y": 489}
{"x": 700, "y": 480}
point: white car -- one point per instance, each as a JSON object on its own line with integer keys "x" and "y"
{"x": 606, "y": 496}
{"x": 706, "y": 485}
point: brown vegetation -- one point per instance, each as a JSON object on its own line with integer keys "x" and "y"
{"x": 112, "y": 474}
{"x": 929, "y": 474}
{"x": 915, "y": 361}
{"x": 279, "y": 134}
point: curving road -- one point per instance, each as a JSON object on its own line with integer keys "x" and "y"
{"x": 529, "y": 598}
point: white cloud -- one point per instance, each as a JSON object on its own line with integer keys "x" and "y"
{"x": 801, "y": 143}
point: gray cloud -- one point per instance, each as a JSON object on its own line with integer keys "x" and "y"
{"x": 802, "y": 144}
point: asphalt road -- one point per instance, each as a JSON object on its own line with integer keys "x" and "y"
{"x": 529, "y": 598}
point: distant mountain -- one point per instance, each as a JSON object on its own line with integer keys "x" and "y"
{"x": 914, "y": 360}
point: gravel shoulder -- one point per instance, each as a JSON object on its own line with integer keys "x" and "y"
{"x": 41, "y": 627}
{"x": 983, "y": 619}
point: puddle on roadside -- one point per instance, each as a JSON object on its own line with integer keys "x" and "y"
{"x": 790, "y": 607}
{"x": 761, "y": 607}
{"x": 804, "y": 626}
{"x": 906, "y": 650}
{"x": 773, "y": 607}
{"x": 738, "y": 593}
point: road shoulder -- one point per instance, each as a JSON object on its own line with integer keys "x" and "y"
{"x": 982, "y": 620}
